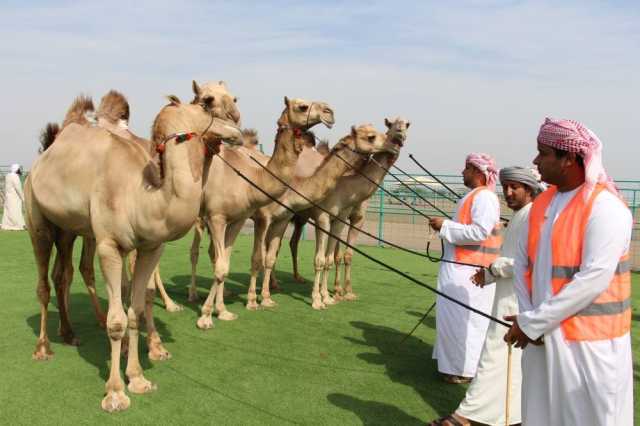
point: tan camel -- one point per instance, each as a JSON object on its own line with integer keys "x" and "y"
{"x": 112, "y": 203}
{"x": 271, "y": 221}
{"x": 227, "y": 207}
{"x": 349, "y": 201}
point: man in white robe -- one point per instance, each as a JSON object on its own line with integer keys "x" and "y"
{"x": 461, "y": 333}
{"x": 12, "y": 218}
{"x": 573, "y": 382}
{"x": 484, "y": 401}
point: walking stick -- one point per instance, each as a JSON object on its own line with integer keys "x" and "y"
{"x": 508, "y": 402}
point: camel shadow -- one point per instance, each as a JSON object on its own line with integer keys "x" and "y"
{"x": 409, "y": 364}
{"x": 94, "y": 345}
{"x": 373, "y": 412}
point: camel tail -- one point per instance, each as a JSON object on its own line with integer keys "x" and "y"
{"x": 81, "y": 112}
{"x": 48, "y": 135}
{"x": 114, "y": 107}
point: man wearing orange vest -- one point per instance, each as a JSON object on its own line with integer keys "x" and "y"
{"x": 472, "y": 237}
{"x": 573, "y": 286}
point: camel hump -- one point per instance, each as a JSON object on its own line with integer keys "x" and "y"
{"x": 80, "y": 112}
{"x": 114, "y": 107}
{"x": 48, "y": 135}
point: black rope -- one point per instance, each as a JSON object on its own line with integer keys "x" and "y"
{"x": 443, "y": 195}
{"x": 434, "y": 177}
{"x": 373, "y": 259}
{"x": 384, "y": 190}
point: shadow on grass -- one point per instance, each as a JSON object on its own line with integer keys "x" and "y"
{"x": 410, "y": 365}
{"x": 429, "y": 321}
{"x": 372, "y": 412}
{"x": 94, "y": 345}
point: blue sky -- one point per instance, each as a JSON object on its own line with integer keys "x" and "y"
{"x": 471, "y": 75}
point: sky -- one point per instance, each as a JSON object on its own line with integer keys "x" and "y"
{"x": 471, "y": 76}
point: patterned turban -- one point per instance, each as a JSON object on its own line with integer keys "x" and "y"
{"x": 572, "y": 136}
{"x": 487, "y": 165}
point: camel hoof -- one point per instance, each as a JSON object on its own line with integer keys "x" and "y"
{"x": 115, "y": 401}
{"x": 42, "y": 352}
{"x": 174, "y": 307}
{"x": 141, "y": 385}
{"x": 193, "y": 297}
{"x": 338, "y": 297}
{"x": 268, "y": 303}
{"x": 159, "y": 353}
{"x": 299, "y": 279}
{"x": 350, "y": 297}
{"x": 252, "y": 305}
{"x": 328, "y": 301}
{"x": 227, "y": 316}
{"x": 317, "y": 305}
{"x": 205, "y": 322}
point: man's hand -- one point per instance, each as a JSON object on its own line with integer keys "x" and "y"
{"x": 436, "y": 223}
{"x": 515, "y": 334}
{"x": 478, "y": 278}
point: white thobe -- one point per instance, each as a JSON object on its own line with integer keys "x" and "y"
{"x": 461, "y": 333}
{"x": 12, "y": 218}
{"x": 484, "y": 401}
{"x": 575, "y": 382}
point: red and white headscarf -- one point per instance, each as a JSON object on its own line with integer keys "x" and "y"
{"x": 487, "y": 165}
{"x": 572, "y": 136}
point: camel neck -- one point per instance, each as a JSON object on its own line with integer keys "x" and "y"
{"x": 281, "y": 164}
{"x": 375, "y": 173}
{"x": 317, "y": 186}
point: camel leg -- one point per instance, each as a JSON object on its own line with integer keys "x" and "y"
{"x": 89, "y": 277}
{"x": 336, "y": 229}
{"x": 338, "y": 291}
{"x": 111, "y": 263}
{"x": 257, "y": 259}
{"x": 218, "y": 228}
{"x": 357, "y": 221}
{"x": 233, "y": 229}
{"x": 293, "y": 245}
{"x": 62, "y": 277}
{"x": 272, "y": 245}
{"x": 146, "y": 262}
{"x": 42, "y": 238}
{"x": 323, "y": 221}
{"x": 169, "y": 304}
{"x": 157, "y": 351}
{"x": 198, "y": 230}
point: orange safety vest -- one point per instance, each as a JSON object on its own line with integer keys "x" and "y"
{"x": 609, "y": 315}
{"x": 485, "y": 252}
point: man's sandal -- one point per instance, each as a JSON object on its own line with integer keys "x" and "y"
{"x": 447, "y": 421}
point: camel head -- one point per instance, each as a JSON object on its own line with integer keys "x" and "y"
{"x": 301, "y": 114}
{"x": 323, "y": 147}
{"x": 365, "y": 139}
{"x": 216, "y": 98}
{"x": 250, "y": 138}
{"x": 397, "y": 131}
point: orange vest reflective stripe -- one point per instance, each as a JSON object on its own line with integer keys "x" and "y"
{"x": 485, "y": 252}
{"x": 609, "y": 316}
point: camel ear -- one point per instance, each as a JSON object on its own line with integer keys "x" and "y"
{"x": 222, "y": 83}
{"x": 354, "y": 132}
{"x": 387, "y": 123}
{"x": 408, "y": 124}
{"x": 196, "y": 89}
{"x": 175, "y": 101}
{"x": 286, "y": 101}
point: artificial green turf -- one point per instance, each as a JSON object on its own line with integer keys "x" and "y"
{"x": 286, "y": 365}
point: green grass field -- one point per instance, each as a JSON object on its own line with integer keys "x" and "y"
{"x": 286, "y": 365}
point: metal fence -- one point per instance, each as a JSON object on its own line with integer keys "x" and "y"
{"x": 389, "y": 219}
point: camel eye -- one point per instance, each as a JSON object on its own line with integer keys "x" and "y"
{"x": 304, "y": 108}
{"x": 372, "y": 138}
{"x": 235, "y": 100}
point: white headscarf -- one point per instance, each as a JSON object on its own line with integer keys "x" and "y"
{"x": 15, "y": 168}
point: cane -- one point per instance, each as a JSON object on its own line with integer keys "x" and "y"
{"x": 508, "y": 402}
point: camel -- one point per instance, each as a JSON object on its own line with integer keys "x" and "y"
{"x": 227, "y": 207}
{"x": 271, "y": 221}
{"x": 112, "y": 202}
{"x": 349, "y": 202}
